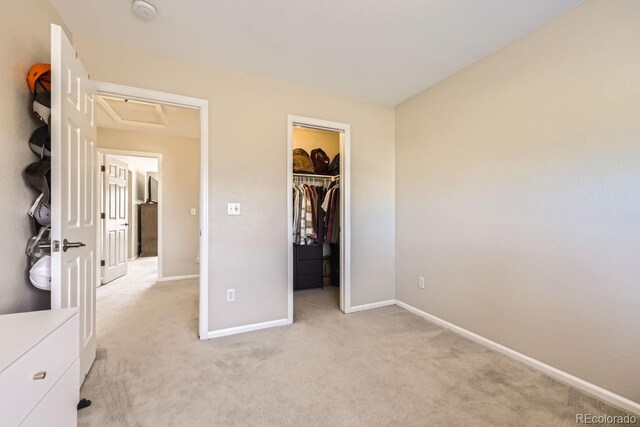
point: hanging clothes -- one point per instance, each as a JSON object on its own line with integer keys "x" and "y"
{"x": 309, "y": 215}
{"x": 331, "y": 207}
{"x": 308, "y": 229}
{"x": 299, "y": 214}
{"x": 320, "y": 222}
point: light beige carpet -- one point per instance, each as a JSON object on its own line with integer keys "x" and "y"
{"x": 384, "y": 367}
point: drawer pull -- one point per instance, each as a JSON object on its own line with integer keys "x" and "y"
{"x": 40, "y": 375}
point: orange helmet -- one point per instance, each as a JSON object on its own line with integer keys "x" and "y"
{"x": 39, "y": 73}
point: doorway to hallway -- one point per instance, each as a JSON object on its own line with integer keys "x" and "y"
{"x": 130, "y": 198}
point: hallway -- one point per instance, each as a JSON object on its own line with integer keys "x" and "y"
{"x": 140, "y": 271}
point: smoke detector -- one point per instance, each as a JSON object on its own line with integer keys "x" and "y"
{"x": 144, "y": 9}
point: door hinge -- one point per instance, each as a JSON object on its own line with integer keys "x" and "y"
{"x": 102, "y": 168}
{"x": 102, "y": 264}
{"x": 101, "y": 215}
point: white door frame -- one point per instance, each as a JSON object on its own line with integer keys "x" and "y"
{"x": 129, "y": 92}
{"x": 158, "y": 156}
{"x": 345, "y": 205}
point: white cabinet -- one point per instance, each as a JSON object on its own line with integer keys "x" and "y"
{"x": 39, "y": 370}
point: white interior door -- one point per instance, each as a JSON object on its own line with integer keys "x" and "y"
{"x": 74, "y": 264}
{"x": 116, "y": 224}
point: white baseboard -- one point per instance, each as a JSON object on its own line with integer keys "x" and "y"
{"x": 247, "y": 328}
{"x": 372, "y": 305}
{"x": 564, "y": 377}
{"x": 174, "y": 278}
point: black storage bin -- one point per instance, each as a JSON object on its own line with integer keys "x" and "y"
{"x": 307, "y": 266}
{"x": 335, "y": 264}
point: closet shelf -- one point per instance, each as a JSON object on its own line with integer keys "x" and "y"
{"x": 308, "y": 175}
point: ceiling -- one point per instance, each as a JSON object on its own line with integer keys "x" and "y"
{"x": 138, "y": 116}
{"x": 378, "y": 50}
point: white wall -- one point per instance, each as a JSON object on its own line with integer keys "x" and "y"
{"x": 180, "y": 187}
{"x": 518, "y": 196}
{"x": 24, "y": 40}
{"x": 248, "y": 152}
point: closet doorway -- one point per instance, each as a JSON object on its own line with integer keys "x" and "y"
{"x": 318, "y": 208}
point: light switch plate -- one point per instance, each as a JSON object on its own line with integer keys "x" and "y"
{"x": 233, "y": 208}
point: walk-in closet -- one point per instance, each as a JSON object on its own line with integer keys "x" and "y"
{"x": 316, "y": 210}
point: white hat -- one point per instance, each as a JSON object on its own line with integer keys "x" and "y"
{"x": 40, "y": 273}
{"x": 37, "y": 245}
{"x": 42, "y": 106}
{"x": 41, "y": 211}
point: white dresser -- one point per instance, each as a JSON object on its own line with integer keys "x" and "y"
{"x": 39, "y": 368}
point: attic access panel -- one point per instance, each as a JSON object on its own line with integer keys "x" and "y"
{"x": 133, "y": 112}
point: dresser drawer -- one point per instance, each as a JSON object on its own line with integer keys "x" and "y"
{"x": 307, "y": 252}
{"x": 307, "y": 281}
{"x": 59, "y": 408}
{"x": 19, "y": 391}
{"x": 309, "y": 267}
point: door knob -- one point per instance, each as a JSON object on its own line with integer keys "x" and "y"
{"x": 68, "y": 245}
{"x": 126, "y": 224}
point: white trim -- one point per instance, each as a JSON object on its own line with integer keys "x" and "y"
{"x": 157, "y": 156}
{"x": 112, "y": 89}
{"x": 373, "y": 305}
{"x": 175, "y": 278}
{"x": 345, "y": 206}
{"x": 247, "y": 328}
{"x": 345, "y": 219}
{"x": 204, "y": 221}
{"x": 562, "y": 376}
{"x": 290, "y": 219}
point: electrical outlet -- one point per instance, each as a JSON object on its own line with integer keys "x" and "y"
{"x": 193, "y": 212}
{"x": 231, "y": 295}
{"x": 421, "y": 283}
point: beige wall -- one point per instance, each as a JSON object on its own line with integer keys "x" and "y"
{"x": 310, "y": 139}
{"x": 180, "y": 192}
{"x": 518, "y": 196}
{"x": 248, "y": 164}
{"x": 24, "y": 40}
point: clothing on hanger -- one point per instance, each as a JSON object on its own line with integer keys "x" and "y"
{"x": 314, "y": 208}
